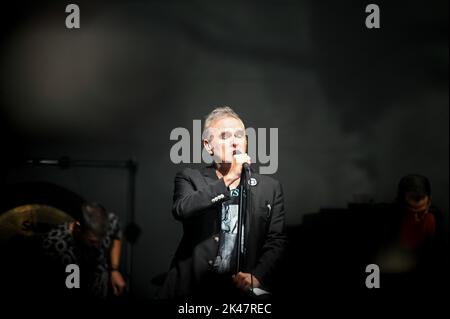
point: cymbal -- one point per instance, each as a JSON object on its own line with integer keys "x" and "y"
{"x": 29, "y": 220}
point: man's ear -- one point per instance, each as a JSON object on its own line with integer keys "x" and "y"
{"x": 76, "y": 227}
{"x": 246, "y": 143}
{"x": 208, "y": 146}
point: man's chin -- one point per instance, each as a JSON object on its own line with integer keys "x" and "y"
{"x": 222, "y": 162}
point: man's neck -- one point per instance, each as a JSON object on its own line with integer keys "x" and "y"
{"x": 222, "y": 169}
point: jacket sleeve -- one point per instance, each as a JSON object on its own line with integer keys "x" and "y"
{"x": 276, "y": 240}
{"x": 189, "y": 202}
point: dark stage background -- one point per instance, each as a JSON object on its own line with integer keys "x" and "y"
{"x": 356, "y": 108}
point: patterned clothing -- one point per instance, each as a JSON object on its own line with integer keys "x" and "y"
{"x": 226, "y": 259}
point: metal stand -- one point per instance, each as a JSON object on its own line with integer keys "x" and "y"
{"x": 242, "y": 216}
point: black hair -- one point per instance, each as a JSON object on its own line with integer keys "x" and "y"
{"x": 94, "y": 218}
{"x": 416, "y": 186}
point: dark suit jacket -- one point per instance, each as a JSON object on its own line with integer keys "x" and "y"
{"x": 197, "y": 203}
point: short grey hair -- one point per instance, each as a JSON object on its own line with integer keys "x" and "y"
{"x": 218, "y": 113}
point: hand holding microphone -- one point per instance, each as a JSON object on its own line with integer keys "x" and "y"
{"x": 240, "y": 161}
{"x": 247, "y": 162}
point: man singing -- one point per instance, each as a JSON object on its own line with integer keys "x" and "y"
{"x": 206, "y": 201}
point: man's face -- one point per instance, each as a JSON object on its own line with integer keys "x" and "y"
{"x": 225, "y": 136}
{"x": 89, "y": 239}
{"x": 417, "y": 206}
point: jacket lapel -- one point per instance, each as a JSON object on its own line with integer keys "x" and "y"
{"x": 209, "y": 172}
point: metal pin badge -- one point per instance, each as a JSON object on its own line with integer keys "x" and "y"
{"x": 252, "y": 181}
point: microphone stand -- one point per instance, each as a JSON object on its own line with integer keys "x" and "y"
{"x": 242, "y": 215}
{"x": 244, "y": 200}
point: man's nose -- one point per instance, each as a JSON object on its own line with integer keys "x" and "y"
{"x": 234, "y": 142}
